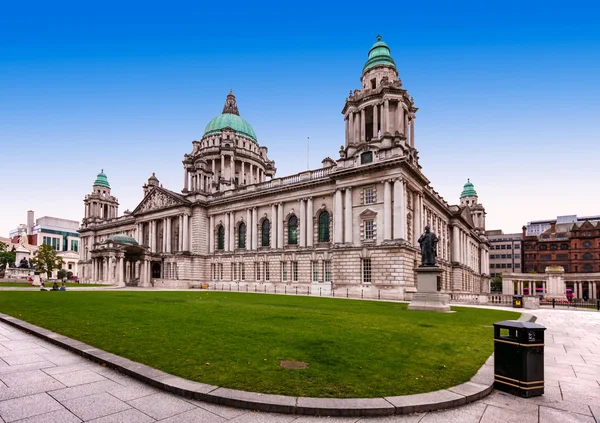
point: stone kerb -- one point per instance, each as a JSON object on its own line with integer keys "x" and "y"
{"x": 478, "y": 387}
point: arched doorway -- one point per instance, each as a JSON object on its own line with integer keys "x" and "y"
{"x": 156, "y": 270}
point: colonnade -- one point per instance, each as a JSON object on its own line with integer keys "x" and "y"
{"x": 166, "y": 229}
{"x": 199, "y": 180}
{"x": 465, "y": 251}
{"x": 96, "y": 209}
{"x": 384, "y": 121}
{"x": 513, "y": 286}
{"x": 116, "y": 268}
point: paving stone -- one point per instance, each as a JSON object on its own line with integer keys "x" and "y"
{"x": 58, "y": 416}
{"x": 26, "y": 378}
{"x": 20, "y": 345}
{"x": 404, "y": 418}
{"x": 68, "y": 368}
{"x": 344, "y": 406}
{"x": 470, "y": 413}
{"x": 25, "y": 390}
{"x": 161, "y": 405}
{"x": 252, "y": 400}
{"x": 83, "y": 390}
{"x": 510, "y": 402}
{"x": 316, "y": 419}
{"x": 550, "y": 415}
{"x": 471, "y": 391}
{"x": 94, "y": 406}
{"x": 25, "y": 367}
{"x": 197, "y": 415}
{"x": 128, "y": 416}
{"x": 128, "y": 393}
{"x": 23, "y": 359}
{"x": 79, "y": 377}
{"x": 260, "y": 417}
{"x": 32, "y": 405}
{"x": 220, "y": 410}
{"x": 494, "y": 414}
{"x": 426, "y": 402}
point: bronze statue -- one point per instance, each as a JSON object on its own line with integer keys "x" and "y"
{"x": 428, "y": 242}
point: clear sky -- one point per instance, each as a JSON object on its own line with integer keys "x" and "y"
{"x": 508, "y": 94}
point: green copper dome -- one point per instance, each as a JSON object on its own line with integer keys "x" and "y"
{"x": 122, "y": 239}
{"x": 101, "y": 180}
{"x": 230, "y": 118}
{"x": 379, "y": 55}
{"x": 468, "y": 190}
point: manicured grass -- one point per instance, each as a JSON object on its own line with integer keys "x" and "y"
{"x": 49, "y": 285}
{"x": 236, "y": 340}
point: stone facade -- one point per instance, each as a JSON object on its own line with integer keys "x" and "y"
{"x": 351, "y": 225}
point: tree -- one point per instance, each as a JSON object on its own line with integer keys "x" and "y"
{"x": 61, "y": 274}
{"x": 6, "y": 257}
{"x": 46, "y": 260}
{"x": 496, "y": 283}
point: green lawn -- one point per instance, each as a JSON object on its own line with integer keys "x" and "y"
{"x": 353, "y": 348}
{"x": 49, "y": 285}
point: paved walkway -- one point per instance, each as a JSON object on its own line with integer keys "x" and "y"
{"x": 42, "y": 383}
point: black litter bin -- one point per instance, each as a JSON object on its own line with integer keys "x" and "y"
{"x": 517, "y": 301}
{"x": 519, "y": 358}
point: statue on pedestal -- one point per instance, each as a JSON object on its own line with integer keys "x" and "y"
{"x": 428, "y": 242}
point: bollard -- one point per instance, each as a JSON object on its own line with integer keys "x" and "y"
{"x": 362, "y": 293}
{"x": 285, "y": 289}
{"x": 229, "y": 287}
{"x": 346, "y": 292}
{"x": 553, "y": 302}
{"x": 319, "y": 292}
{"x": 308, "y": 291}
{"x": 598, "y": 305}
{"x": 296, "y": 290}
{"x": 379, "y": 294}
{"x": 276, "y": 289}
{"x": 265, "y": 289}
{"x": 246, "y": 288}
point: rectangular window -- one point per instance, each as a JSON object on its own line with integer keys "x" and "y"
{"x": 55, "y": 243}
{"x": 369, "y": 194}
{"x": 257, "y": 270}
{"x": 517, "y": 265}
{"x": 315, "y": 271}
{"x": 327, "y": 270}
{"x": 266, "y": 270}
{"x": 233, "y": 275}
{"x": 517, "y": 246}
{"x": 366, "y": 270}
{"x": 503, "y": 247}
{"x": 545, "y": 257}
{"x": 492, "y": 266}
{"x": 295, "y": 271}
{"x": 284, "y": 271}
{"x": 517, "y": 256}
{"x": 369, "y": 229}
{"x": 242, "y": 272}
{"x": 220, "y": 271}
{"x": 213, "y": 271}
{"x": 74, "y": 245}
{"x": 503, "y": 265}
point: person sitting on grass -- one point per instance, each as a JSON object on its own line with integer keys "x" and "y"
{"x": 63, "y": 287}
{"x": 55, "y": 286}
{"x": 43, "y": 287}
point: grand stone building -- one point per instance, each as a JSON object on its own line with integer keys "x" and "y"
{"x": 351, "y": 224}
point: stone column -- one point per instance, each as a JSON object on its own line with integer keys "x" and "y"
{"x": 387, "y": 210}
{"x": 254, "y": 228}
{"x": 226, "y": 226}
{"x": 357, "y": 127}
{"x": 302, "y": 237}
{"x": 351, "y": 128}
{"x": 363, "y": 125}
{"x": 375, "y": 120}
{"x": 386, "y": 112}
{"x": 94, "y": 276}
{"x": 251, "y": 174}
{"x": 347, "y": 124}
{"x": 248, "y": 229}
{"x": 180, "y": 230}
{"x": 280, "y": 225}
{"x": 399, "y": 210}
{"x": 169, "y": 231}
{"x": 455, "y": 244}
{"x": 309, "y": 222}
{"x": 152, "y": 226}
{"x": 231, "y": 169}
{"x": 338, "y": 236}
{"x": 242, "y": 172}
{"x": 164, "y": 235}
{"x": 347, "y": 214}
{"x": 222, "y": 167}
{"x": 232, "y": 231}
{"x": 412, "y": 131}
{"x": 400, "y": 117}
{"x": 274, "y": 226}
{"x": 186, "y": 246}
{"x": 211, "y": 235}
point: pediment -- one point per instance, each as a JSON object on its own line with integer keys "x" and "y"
{"x": 586, "y": 225}
{"x": 466, "y": 215}
{"x": 159, "y": 199}
{"x": 368, "y": 212}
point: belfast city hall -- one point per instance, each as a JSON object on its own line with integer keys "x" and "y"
{"x": 351, "y": 225}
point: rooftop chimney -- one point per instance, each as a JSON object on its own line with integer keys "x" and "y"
{"x": 553, "y": 226}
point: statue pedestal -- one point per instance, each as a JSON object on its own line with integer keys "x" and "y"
{"x": 427, "y": 297}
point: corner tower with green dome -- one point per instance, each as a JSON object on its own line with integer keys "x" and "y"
{"x": 227, "y": 156}
{"x": 100, "y": 205}
{"x": 469, "y": 198}
{"x": 381, "y": 114}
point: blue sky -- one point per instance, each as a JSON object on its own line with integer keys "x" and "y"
{"x": 507, "y": 94}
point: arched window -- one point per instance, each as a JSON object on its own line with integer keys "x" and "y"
{"x": 324, "y": 227}
{"x": 543, "y": 247}
{"x": 564, "y": 246}
{"x": 220, "y": 238}
{"x": 588, "y": 256}
{"x": 587, "y": 268}
{"x": 242, "y": 235}
{"x": 265, "y": 229}
{"x": 293, "y": 230}
{"x": 553, "y": 246}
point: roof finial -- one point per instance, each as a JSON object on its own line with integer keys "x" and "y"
{"x": 101, "y": 170}
{"x": 230, "y": 104}
{"x": 378, "y": 37}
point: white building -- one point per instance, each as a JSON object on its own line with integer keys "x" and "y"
{"x": 352, "y": 224}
